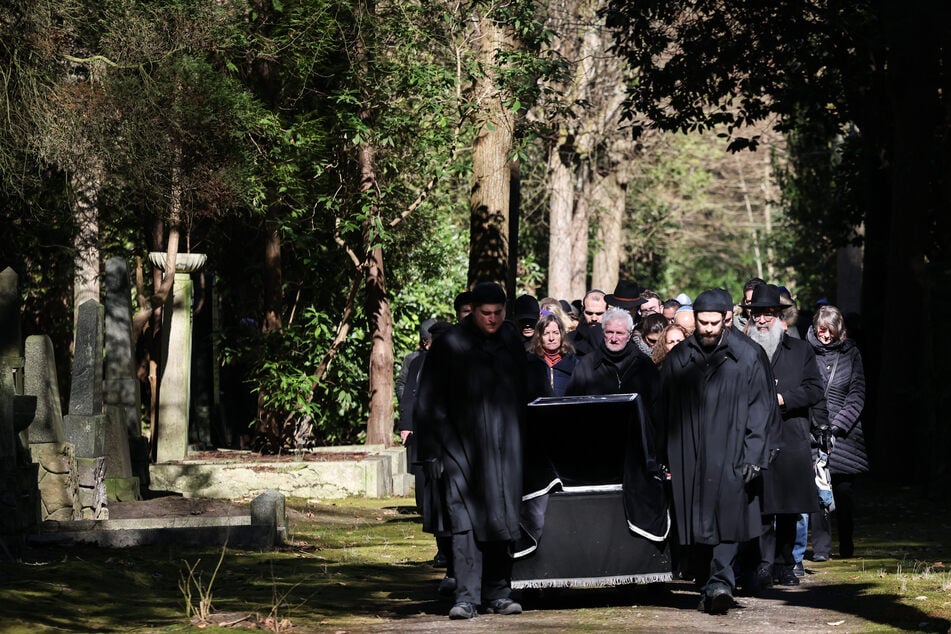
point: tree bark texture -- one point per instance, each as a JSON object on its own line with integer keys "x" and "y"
{"x": 561, "y": 191}
{"x": 86, "y": 183}
{"x": 489, "y": 196}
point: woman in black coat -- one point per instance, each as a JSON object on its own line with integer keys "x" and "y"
{"x": 843, "y": 377}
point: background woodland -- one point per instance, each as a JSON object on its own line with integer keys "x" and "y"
{"x": 349, "y": 167}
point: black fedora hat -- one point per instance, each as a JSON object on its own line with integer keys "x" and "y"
{"x": 765, "y": 296}
{"x": 625, "y": 295}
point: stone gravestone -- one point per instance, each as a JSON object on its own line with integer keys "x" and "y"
{"x": 85, "y": 425}
{"x": 171, "y": 442}
{"x": 121, "y": 388}
{"x": 56, "y": 459}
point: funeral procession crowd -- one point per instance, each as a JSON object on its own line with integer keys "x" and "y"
{"x": 752, "y": 430}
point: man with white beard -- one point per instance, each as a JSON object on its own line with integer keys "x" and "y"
{"x": 788, "y": 487}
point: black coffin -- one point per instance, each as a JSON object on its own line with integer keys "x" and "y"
{"x": 578, "y": 449}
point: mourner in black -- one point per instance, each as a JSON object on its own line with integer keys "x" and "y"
{"x": 788, "y": 486}
{"x": 616, "y": 366}
{"x": 715, "y": 407}
{"x": 470, "y": 407}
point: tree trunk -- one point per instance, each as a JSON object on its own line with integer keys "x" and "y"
{"x": 608, "y": 198}
{"x": 561, "y": 192}
{"x": 380, "y": 417}
{"x": 489, "y": 197}
{"x": 273, "y": 282}
{"x": 86, "y": 183}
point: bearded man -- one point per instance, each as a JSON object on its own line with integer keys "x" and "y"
{"x": 788, "y": 487}
{"x": 716, "y": 404}
{"x": 469, "y": 412}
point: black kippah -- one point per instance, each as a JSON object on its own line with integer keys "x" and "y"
{"x": 487, "y": 293}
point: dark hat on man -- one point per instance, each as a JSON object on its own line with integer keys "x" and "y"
{"x": 487, "y": 293}
{"x": 625, "y": 295}
{"x": 439, "y": 328}
{"x": 424, "y": 329}
{"x": 463, "y": 298}
{"x": 713, "y": 301}
{"x": 765, "y": 296}
{"x": 526, "y": 308}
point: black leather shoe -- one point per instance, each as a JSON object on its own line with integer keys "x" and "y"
{"x": 462, "y": 610}
{"x": 503, "y": 606}
{"x": 799, "y": 570}
{"x": 787, "y": 577}
{"x": 820, "y": 557}
{"x": 763, "y": 578}
{"x": 717, "y": 601}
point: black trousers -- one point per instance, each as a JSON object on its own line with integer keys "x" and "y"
{"x": 843, "y": 486}
{"x": 777, "y": 540}
{"x": 483, "y": 569}
{"x": 715, "y": 564}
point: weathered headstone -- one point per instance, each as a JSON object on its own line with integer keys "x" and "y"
{"x": 120, "y": 387}
{"x": 269, "y": 517}
{"x": 40, "y": 381}
{"x": 174, "y": 389}
{"x": 85, "y": 394}
{"x": 56, "y": 458}
{"x": 86, "y": 425}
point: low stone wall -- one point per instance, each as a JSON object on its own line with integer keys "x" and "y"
{"x": 381, "y": 472}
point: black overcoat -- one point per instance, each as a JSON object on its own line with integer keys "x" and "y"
{"x": 715, "y": 410}
{"x": 598, "y": 373}
{"x": 789, "y": 482}
{"x": 585, "y": 338}
{"x": 469, "y": 411}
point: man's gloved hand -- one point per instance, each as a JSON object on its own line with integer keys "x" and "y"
{"x": 838, "y": 432}
{"x": 749, "y": 471}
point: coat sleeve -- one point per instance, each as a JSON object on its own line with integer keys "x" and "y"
{"x": 431, "y": 411}
{"x": 762, "y": 413}
{"x": 848, "y": 416}
{"x": 810, "y": 389}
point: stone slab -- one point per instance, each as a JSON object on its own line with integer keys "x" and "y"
{"x": 369, "y": 477}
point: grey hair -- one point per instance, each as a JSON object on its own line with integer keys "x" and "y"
{"x": 613, "y": 313}
{"x": 830, "y": 317}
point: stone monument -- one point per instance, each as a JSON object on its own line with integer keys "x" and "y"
{"x": 174, "y": 370}
{"x": 121, "y": 398}
{"x": 56, "y": 458}
{"x": 86, "y": 425}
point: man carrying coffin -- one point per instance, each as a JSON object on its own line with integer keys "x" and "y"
{"x": 716, "y": 405}
{"x": 469, "y": 412}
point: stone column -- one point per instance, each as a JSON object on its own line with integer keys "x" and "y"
{"x": 175, "y": 365}
{"x": 85, "y": 425}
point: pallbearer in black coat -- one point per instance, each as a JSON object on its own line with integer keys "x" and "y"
{"x": 788, "y": 484}
{"x": 470, "y": 408}
{"x": 616, "y": 366}
{"x": 716, "y": 404}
